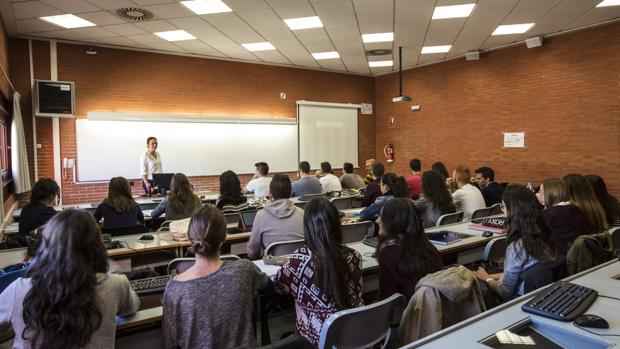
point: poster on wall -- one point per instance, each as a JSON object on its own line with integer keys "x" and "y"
{"x": 366, "y": 108}
{"x": 514, "y": 139}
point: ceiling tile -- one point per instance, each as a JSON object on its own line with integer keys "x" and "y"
{"x": 173, "y": 10}
{"x": 125, "y": 29}
{"x": 152, "y": 2}
{"x": 374, "y": 16}
{"x": 245, "y": 5}
{"x": 272, "y": 56}
{"x": 145, "y": 38}
{"x": 156, "y": 26}
{"x": 67, "y": 34}
{"x": 234, "y": 27}
{"x": 25, "y": 26}
{"x": 71, "y": 6}
{"x": 94, "y": 32}
{"x": 119, "y": 41}
{"x": 102, "y": 18}
{"x": 112, "y": 4}
{"x": 295, "y": 11}
{"x": 34, "y": 9}
{"x": 530, "y": 11}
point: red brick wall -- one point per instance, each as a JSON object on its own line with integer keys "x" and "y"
{"x": 565, "y": 95}
{"x": 4, "y": 61}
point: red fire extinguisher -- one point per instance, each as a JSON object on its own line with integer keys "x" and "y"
{"x": 388, "y": 151}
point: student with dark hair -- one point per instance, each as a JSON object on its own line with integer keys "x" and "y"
{"x": 566, "y": 220}
{"x": 392, "y": 186}
{"x": 231, "y": 199}
{"x": 324, "y": 276}
{"x": 466, "y": 198}
{"x": 280, "y": 220}
{"x": 491, "y": 190}
{"x": 372, "y": 189}
{"x": 350, "y": 180}
{"x": 436, "y": 200}
{"x": 441, "y": 168}
{"x": 259, "y": 184}
{"x": 150, "y": 162}
{"x": 307, "y": 183}
{"x": 582, "y": 195}
{"x": 210, "y": 304}
{"x": 405, "y": 254}
{"x": 39, "y": 210}
{"x": 181, "y": 201}
{"x": 329, "y": 181}
{"x": 610, "y": 204}
{"x": 529, "y": 241}
{"x": 119, "y": 209}
{"x": 414, "y": 182}
{"x": 67, "y": 300}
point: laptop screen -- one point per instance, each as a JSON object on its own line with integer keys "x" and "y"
{"x": 248, "y": 218}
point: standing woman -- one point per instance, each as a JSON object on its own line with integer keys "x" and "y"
{"x": 67, "y": 300}
{"x": 181, "y": 201}
{"x": 150, "y": 162}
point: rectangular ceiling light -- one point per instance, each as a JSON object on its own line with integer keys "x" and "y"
{"x": 204, "y": 7}
{"x": 378, "y": 37}
{"x": 513, "y": 29}
{"x": 374, "y": 64}
{"x": 326, "y": 55}
{"x": 258, "y": 46}
{"x": 436, "y": 49}
{"x": 175, "y": 35}
{"x": 68, "y": 21}
{"x": 454, "y": 11}
{"x": 606, "y": 3}
{"x": 304, "y": 23}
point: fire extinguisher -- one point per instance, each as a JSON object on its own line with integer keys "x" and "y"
{"x": 388, "y": 151}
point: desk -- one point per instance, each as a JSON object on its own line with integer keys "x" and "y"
{"x": 466, "y": 334}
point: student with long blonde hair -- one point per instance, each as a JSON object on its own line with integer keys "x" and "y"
{"x": 583, "y": 196}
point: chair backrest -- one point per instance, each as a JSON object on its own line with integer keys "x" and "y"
{"x": 615, "y": 238}
{"x": 119, "y": 231}
{"x": 357, "y": 232}
{"x": 180, "y": 265}
{"x": 481, "y": 213}
{"x": 281, "y": 248}
{"x": 496, "y": 209}
{"x": 17, "y": 271}
{"x": 231, "y": 217}
{"x": 363, "y": 327}
{"x": 542, "y": 274}
{"x": 450, "y": 218}
{"x": 342, "y": 203}
{"x": 309, "y": 197}
{"x": 495, "y": 252}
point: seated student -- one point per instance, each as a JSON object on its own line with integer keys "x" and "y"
{"x": 119, "y": 209}
{"x": 210, "y": 304}
{"x": 280, "y": 220}
{"x": 67, "y": 300}
{"x": 582, "y": 195}
{"x": 181, "y": 201}
{"x": 610, "y": 204}
{"x": 350, "y": 180}
{"x": 259, "y": 184}
{"x": 529, "y": 241}
{"x": 414, "y": 182}
{"x": 231, "y": 199}
{"x": 372, "y": 189}
{"x": 441, "y": 168}
{"x": 467, "y": 198}
{"x": 565, "y": 219}
{"x": 39, "y": 210}
{"x": 436, "y": 200}
{"x": 405, "y": 254}
{"x": 307, "y": 183}
{"x": 369, "y": 177}
{"x": 332, "y": 272}
{"x": 491, "y": 190}
{"x": 392, "y": 186}
{"x": 329, "y": 182}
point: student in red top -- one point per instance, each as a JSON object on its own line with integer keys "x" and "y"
{"x": 414, "y": 182}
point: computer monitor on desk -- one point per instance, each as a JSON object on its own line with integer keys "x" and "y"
{"x": 161, "y": 182}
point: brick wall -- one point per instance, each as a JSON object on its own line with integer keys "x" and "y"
{"x": 564, "y": 95}
{"x": 4, "y": 60}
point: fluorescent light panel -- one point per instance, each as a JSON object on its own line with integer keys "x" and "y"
{"x": 454, "y": 11}
{"x": 378, "y": 37}
{"x": 204, "y": 7}
{"x": 436, "y": 49}
{"x": 606, "y": 3}
{"x": 513, "y": 29}
{"x": 68, "y": 21}
{"x": 375, "y": 64}
{"x": 258, "y": 46}
{"x": 304, "y": 23}
{"x": 326, "y": 55}
{"x": 175, "y": 35}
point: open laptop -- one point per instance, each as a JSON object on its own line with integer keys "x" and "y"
{"x": 247, "y": 220}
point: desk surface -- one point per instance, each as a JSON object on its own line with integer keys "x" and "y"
{"x": 466, "y": 334}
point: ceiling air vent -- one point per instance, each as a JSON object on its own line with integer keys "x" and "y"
{"x": 379, "y": 52}
{"x": 134, "y": 14}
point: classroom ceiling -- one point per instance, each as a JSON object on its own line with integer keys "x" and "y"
{"x": 221, "y": 35}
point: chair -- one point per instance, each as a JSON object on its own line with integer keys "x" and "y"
{"x": 301, "y": 204}
{"x": 494, "y": 254}
{"x": 542, "y": 274}
{"x": 180, "y": 265}
{"x": 119, "y": 231}
{"x": 282, "y": 248}
{"x": 294, "y": 341}
{"x": 496, "y": 209}
{"x": 481, "y": 213}
{"x": 588, "y": 251}
{"x": 365, "y": 326}
{"x": 309, "y": 197}
{"x": 342, "y": 203}
{"x": 615, "y": 238}
{"x": 11, "y": 274}
{"x": 231, "y": 217}
{"x": 357, "y": 232}
{"x": 449, "y": 218}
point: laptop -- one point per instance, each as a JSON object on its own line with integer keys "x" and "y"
{"x": 247, "y": 220}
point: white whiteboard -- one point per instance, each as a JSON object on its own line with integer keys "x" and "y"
{"x": 327, "y": 133}
{"x": 106, "y": 149}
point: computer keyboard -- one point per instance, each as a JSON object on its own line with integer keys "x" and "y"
{"x": 155, "y": 284}
{"x": 561, "y": 301}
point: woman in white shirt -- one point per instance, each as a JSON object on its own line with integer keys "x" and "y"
{"x": 150, "y": 162}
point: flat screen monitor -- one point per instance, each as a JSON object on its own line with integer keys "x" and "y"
{"x": 161, "y": 181}
{"x": 54, "y": 98}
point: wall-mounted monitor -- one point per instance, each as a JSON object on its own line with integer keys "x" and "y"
{"x": 54, "y": 98}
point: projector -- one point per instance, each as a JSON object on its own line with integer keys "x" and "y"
{"x": 401, "y": 99}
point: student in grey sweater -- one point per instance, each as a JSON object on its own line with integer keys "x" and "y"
{"x": 48, "y": 309}
{"x": 278, "y": 221}
{"x": 210, "y": 304}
